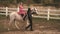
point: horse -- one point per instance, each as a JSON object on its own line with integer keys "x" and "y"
{"x": 14, "y": 16}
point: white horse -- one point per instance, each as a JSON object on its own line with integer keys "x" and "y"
{"x": 15, "y": 16}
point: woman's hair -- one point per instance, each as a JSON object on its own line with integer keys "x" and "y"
{"x": 21, "y": 3}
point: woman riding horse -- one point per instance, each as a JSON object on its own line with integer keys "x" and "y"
{"x": 21, "y": 11}
{"x": 14, "y": 16}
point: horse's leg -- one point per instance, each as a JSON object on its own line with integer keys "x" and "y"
{"x": 9, "y": 25}
{"x": 16, "y": 25}
{"x": 10, "y": 22}
{"x": 18, "y": 17}
{"x": 27, "y": 23}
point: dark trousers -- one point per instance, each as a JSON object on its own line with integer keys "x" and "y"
{"x": 22, "y": 15}
{"x": 30, "y": 21}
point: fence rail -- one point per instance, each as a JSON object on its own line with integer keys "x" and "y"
{"x": 48, "y": 13}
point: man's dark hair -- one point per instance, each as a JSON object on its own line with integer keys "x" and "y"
{"x": 29, "y": 10}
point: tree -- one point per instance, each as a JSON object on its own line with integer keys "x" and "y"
{"x": 57, "y": 2}
{"x": 5, "y": 2}
{"x": 24, "y": 1}
{"x": 37, "y": 1}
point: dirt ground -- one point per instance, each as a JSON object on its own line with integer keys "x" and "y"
{"x": 40, "y": 26}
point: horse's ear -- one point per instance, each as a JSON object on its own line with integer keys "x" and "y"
{"x": 35, "y": 8}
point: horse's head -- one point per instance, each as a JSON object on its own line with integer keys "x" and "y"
{"x": 34, "y": 10}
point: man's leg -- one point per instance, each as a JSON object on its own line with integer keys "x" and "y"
{"x": 27, "y": 27}
{"x": 30, "y": 24}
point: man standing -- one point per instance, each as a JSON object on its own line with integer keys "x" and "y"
{"x": 30, "y": 19}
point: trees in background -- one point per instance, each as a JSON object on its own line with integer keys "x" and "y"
{"x": 37, "y": 1}
{"x": 31, "y": 1}
{"x": 7, "y": 2}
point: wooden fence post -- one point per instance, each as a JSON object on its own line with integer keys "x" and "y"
{"x": 18, "y": 9}
{"x": 48, "y": 14}
{"x": 6, "y": 11}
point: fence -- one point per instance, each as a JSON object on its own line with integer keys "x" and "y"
{"x": 6, "y": 10}
{"x": 47, "y": 13}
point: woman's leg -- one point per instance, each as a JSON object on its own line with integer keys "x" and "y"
{"x": 22, "y": 15}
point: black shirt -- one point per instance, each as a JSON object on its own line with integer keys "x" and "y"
{"x": 29, "y": 12}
